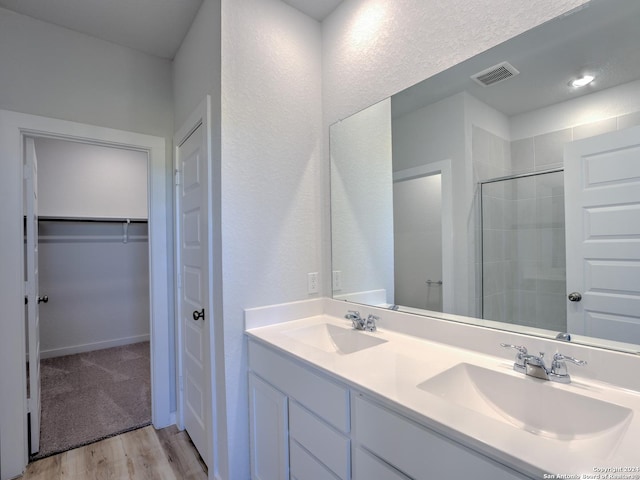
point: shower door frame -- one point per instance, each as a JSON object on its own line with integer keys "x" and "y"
{"x": 481, "y": 219}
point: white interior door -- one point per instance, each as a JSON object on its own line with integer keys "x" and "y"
{"x": 602, "y": 210}
{"x": 193, "y": 289}
{"x": 33, "y": 299}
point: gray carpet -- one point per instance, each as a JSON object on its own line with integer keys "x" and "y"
{"x": 93, "y": 395}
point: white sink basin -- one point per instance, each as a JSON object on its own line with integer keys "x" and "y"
{"x": 533, "y": 405}
{"x": 334, "y": 339}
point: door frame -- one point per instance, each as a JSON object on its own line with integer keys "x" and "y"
{"x": 442, "y": 167}
{"x": 216, "y": 429}
{"x": 14, "y": 127}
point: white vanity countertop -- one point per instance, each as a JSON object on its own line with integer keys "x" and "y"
{"x": 391, "y": 372}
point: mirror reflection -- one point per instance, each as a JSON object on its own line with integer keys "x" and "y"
{"x": 504, "y": 191}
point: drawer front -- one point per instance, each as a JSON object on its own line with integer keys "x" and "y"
{"x": 306, "y": 467}
{"x": 326, "y": 444}
{"x": 417, "y": 451}
{"x": 324, "y": 397}
{"x": 367, "y": 467}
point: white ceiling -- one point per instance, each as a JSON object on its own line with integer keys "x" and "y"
{"x": 156, "y": 27}
{"x": 318, "y": 9}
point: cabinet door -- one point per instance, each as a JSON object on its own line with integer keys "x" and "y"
{"x": 269, "y": 426}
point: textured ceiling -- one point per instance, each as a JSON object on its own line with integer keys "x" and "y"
{"x": 156, "y": 27}
{"x": 318, "y": 9}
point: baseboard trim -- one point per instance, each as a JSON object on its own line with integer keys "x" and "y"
{"x": 88, "y": 347}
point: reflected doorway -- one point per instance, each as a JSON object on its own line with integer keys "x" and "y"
{"x": 417, "y": 213}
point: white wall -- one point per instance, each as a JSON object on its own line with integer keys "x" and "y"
{"x": 55, "y": 72}
{"x": 362, "y": 201}
{"x": 271, "y": 154}
{"x": 196, "y": 67}
{"x": 98, "y": 287}
{"x": 83, "y": 180}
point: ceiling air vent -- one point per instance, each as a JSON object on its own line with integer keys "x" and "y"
{"x": 495, "y": 74}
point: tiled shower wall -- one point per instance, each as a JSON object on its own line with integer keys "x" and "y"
{"x": 524, "y": 271}
{"x": 523, "y": 248}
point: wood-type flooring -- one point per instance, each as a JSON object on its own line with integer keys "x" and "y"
{"x": 166, "y": 454}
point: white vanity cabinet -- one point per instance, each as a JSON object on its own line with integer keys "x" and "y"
{"x": 306, "y": 425}
{"x": 407, "y": 450}
{"x": 300, "y": 423}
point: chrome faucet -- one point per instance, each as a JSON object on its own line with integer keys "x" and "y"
{"x": 359, "y": 323}
{"x": 370, "y": 323}
{"x": 356, "y": 320}
{"x": 534, "y": 366}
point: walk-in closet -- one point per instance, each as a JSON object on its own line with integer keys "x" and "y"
{"x": 93, "y": 281}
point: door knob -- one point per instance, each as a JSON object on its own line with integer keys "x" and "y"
{"x": 43, "y": 299}
{"x": 197, "y": 315}
{"x": 574, "y": 297}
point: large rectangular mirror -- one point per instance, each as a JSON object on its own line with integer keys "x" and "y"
{"x": 501, "y": 192}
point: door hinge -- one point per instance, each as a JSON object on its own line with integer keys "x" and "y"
{"x": 181, "y": 383}
{"x": 26, "y": 172}
{"x": 177, "y": 177}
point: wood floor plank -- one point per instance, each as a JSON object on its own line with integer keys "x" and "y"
{"x": 92, "y": 461}
{"x": 148, "y": 459}
{"x": 143, "y": 454}
{"x": 181, "y": 454}
{"x": 44, "y": 469}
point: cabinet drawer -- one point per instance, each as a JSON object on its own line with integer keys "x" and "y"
{"x": 318, "y": 393}
{"x": 417, "y": 451}
{"x": 306, "y": 467}
{"x": 330, "y": 447}
{"x": 366, "y": 467}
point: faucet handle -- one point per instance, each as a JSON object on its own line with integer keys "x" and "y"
{"x": 352, "y": 315}
{"x": 560, "y": 356}
{"x": 356, "y": 320}
{"x": 559, "y": 371}
{"x": 519, "y": 365}
{"x": 370, "y": 324}
{"x": 521, "y": 350}
{"x": 559, "y": 359}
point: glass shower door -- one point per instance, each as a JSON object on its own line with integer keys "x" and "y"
{"x": 523, "y": 250}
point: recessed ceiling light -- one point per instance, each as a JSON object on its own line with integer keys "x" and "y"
{"x": 582, "y": 81}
